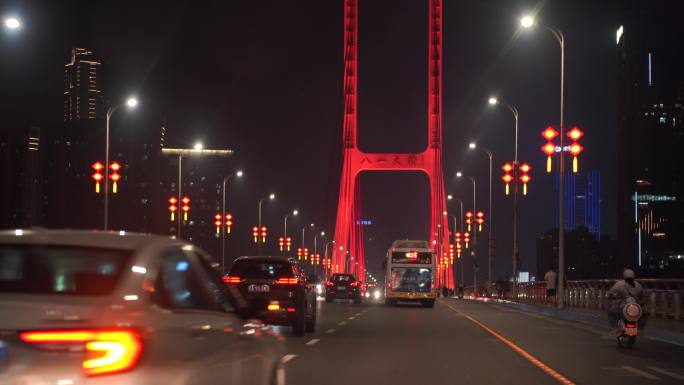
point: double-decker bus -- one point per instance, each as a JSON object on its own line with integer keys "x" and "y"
{"x": 410, "y": 273}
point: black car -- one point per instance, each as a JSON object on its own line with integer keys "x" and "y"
{"x": 275, "y": 290}
{"x": 343, "y": 286}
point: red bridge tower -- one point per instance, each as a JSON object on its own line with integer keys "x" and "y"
{"x": 348, "y": 254}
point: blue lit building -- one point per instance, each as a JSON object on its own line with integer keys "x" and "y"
{"x": 582, "y": 201}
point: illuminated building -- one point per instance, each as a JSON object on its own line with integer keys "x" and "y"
{"x": 82, "y": 95}
{"x": 651, "y": 136}
{"x": 582, "y": 201}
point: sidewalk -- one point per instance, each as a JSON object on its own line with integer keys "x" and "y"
{"x": 663, "y": 330}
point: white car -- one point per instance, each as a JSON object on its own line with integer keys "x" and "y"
{"x": 87, "y": 307}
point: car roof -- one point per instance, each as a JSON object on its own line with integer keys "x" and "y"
{"x": 121, "y": 240}
{"x": 261, "y": 258}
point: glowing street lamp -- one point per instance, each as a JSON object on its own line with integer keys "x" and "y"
{"x": 527, "y": 21}
{"x": 12, "y": 23}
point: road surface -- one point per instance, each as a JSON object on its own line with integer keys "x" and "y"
{"x": 464, "y": 342}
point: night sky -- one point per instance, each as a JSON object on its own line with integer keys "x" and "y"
{"x": 264, "y": 78}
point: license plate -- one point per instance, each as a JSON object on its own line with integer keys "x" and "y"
{"x": 258, "y": 288}
{"x": 341, "y": 288}
{"x": 631, "y": 331}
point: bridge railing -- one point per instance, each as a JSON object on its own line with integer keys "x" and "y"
{"x": 663, "y": 296}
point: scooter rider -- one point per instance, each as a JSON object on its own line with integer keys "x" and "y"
{"x": 619, "y": 293}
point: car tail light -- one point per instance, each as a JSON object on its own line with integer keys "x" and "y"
{"x": 232, "y": 279}
{"x": 355, "y": 284}
{"x": 107, "y": 351}
{"x": 287, "y": 281}
{"x": 329, "y": 284}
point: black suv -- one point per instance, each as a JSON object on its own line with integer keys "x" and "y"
{"x": 274, "y": 289}
{"x": 343, "y": 286}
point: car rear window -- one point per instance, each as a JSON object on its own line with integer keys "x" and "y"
{"x": 69, "y": 270}
{"x": 343, "y": 278}
{"x": 261, "y": 269}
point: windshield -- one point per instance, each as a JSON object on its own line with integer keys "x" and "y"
{"x": 411, "y": 279}
{"x": 60, "y": 269}
{"x": 342, "y": 278}
{"x": 261, "y": 270}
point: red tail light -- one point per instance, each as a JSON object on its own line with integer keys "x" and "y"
{"x": 232, "y": 279}
{"x": 354, "y": 284}
{"x": 329, "y": 283}
{"x": 287, "y": 281}
{"x": 107, "y": 351}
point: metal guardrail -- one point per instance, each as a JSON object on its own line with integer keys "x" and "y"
{"x": 663, "y": 296}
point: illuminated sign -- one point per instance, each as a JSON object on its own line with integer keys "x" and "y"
{"x": 364, "y": 222}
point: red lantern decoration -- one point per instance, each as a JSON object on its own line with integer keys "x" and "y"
{"x": 229, "y": 223}
{"x": 281, "y": 243}
{"x": 185, "y": 207}
{"x": 114, "y": 176}
{"x": 263, "y": 234}
{"x": 97, "y": 176}
{"x": 255, "y": 233}
{"x": 288, "y": 242}
{"x": 173, "y": 208}
{"x": 218, "y": 222}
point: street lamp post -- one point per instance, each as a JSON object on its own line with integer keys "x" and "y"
{"x": 131, "y": 103}
{"x": 527, "y": 22}
{"x": 473, "y": 251}
{"x": 325, "y": 256}
{"x": 295, "y": 213}
{"x": 461, "y": 230}
{"x": 491, "y": 215}
{"x": 322, "y": 234}
{"x": 516, "y": 248}
{"x": 197, "y": 150}
{"x": 223, "y": 219}
{"x": 261, "y": 201}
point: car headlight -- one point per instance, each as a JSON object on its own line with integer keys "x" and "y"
{"x": 319, "y": 288}
{"x": 376, "y": 294}
{"x": 367, "y": 295}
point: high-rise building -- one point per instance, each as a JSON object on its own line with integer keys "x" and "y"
{"x": 82, "y": 92}
{"x": 650, "y": 135}
{"x": 77, "y": 144}
{"x": 21, "y": 177}
{"x": 582, "y": 201}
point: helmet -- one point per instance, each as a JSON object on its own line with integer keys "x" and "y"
{"x": 628, "y": 273}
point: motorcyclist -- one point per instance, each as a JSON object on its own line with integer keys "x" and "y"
{"x": 619, "y": 293}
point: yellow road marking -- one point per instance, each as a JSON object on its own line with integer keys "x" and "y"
{"x": 534, "y": 360}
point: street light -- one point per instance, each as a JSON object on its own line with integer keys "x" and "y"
{"x": 131, "y": 102}
{"x": 185, "y": 152}
{"x": 12, "y": 23}
{"x": 473, "y": 250}
{"x": 198, "y": 146}
{"x": 527, "y": 22}
{"x": 261, "y": 201}
{"x": 490, "y": 247}
{"x": 223, "y": 218}
{"x": 493, "y": 101}
{"x": 294, "y": 213}
{"x": 514, "y": 258}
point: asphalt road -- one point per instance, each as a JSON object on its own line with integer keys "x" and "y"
{"x": 463, "y": 342}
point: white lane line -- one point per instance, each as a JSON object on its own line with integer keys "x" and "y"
{"x": 342, "y": 323}
{"x": 330, "y": 331}
{"x": 352, "y": 318}
{"x": 287, "y": 358}
{"x": 313, "y": 342}
{"x": 666, "y": 372}
{"x": 641, "y": 373}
